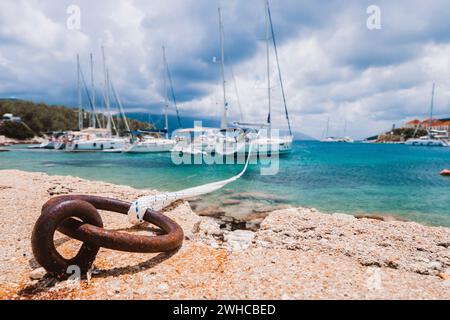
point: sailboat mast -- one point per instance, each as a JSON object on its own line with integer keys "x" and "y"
{"x": 268, "y": 66}
{"x": 432, "y": 104}
{"x": 94, "y": 114}
{"x": 238, "y": 100}
{"x": 166, "y": 98}
{"x": 172, "y": 93}
{"x": 328, "y": 128}
{"x": 278, "y": 67}
{"x": 223, "y": 122}
{"x": 106, "y": 90}
{"x": 111, "y": 121}
{"x": 121, "y": 109}
{"x": 80, "y": 108}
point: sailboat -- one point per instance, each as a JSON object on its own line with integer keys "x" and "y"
{"x": 434, "y": 138}
{"x": 259, "y": 134}
{"x": 343, "y": 138}
{"x": 201, "y": 140}
{"x": 327, "y": 137}
{"x": 93, "y": 138}
{"x": 152, "y": 140}
{"x": 195, "y": 141}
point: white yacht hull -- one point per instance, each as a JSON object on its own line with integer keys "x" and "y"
{"x": 194, "y": 148}
{"x": 260, "y": 147}
{"x": 342, "y": 140}
{"x": 427, "y": 142}
{"x": 151, "y": 146}
{"x": 264, "y": 146}
{"x": 98, "y": 144}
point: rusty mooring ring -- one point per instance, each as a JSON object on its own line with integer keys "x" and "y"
{"x": 58, "y": 213}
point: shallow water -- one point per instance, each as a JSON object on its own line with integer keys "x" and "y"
{"x": 354, "y": 178}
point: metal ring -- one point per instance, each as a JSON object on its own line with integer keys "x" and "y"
{"x": 57, "y": 214}
{"x": 44, "y": 249}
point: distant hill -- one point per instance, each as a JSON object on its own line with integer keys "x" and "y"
{"x": 302, "y": 136}
{"x": 40, "y": 118}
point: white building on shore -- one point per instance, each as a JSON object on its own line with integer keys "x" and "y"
{"x": 10, "y": 117}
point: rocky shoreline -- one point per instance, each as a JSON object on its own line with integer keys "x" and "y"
{"x": 5, "y": 141}
{"x": 289, "y": 253}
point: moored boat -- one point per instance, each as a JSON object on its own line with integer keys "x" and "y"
{"x": 428, "y": 142}
{"x": 434, "y": 138}
{"x": 149, "y": 141}
{"x": 237, "y": 139}
{"x": 95, "y": 139}
{"x": 197, "y": 140}
{"x": 343, "y": 138}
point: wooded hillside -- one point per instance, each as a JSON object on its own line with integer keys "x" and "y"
{"x": 40, "y": 118}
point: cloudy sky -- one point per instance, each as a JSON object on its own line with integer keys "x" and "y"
{"x": 332, "y": 64}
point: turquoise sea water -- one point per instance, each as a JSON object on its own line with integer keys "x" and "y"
{"x": 353, "y": 178}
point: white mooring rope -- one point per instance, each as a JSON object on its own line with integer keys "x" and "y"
{"x": 161, "y": 200}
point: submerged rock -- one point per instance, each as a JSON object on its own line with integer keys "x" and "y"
{"x": 230, "y": 202}
{"x": 266, "y": 209}
{"x": 258, "y": 196}
{"x": 211, "y": 211}
{"x": 380, "y": 217}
